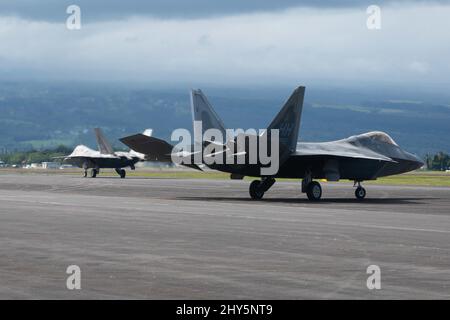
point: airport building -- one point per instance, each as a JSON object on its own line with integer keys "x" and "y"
{"x": 50, "y": 165}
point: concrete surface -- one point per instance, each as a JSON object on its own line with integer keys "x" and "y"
{"x": 196, "y": 239}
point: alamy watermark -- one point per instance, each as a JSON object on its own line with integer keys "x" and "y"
{"x": 374, "y": 280}
{"x": 374, "y": 19}
{"x": 73, "y": 281}
{"x": 73, "y": 22}
{"x": 238, "y": 147}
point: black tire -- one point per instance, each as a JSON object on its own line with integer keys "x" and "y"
{"x": 254, "y": 191}
{"x": 123, "y": 174}
{"x": 93, "y": 173}
{"x": 360, "y": 193}
{"x": 314, "y": 191}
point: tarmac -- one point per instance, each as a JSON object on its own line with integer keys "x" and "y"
{"x": 142, "y": 238}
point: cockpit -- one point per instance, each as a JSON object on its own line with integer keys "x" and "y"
{"x": 380, "y": 136}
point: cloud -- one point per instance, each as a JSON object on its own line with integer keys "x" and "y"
{"x": 54, "y": 10}
{"x": 419, "y": 67}
{"x": 293, "y": 46}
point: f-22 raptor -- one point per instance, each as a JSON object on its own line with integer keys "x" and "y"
{"x": 86, "y": 158}
{"x": 358, "y": 158}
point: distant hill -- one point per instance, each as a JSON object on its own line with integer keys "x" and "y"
{"x": 44, "y": 115}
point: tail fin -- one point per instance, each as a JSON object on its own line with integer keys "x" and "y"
{"x": 203, "y": 111}
{"x": 148, "y": 132}
{"x": 103, "y": 144}
{"x": 287, "y": 121}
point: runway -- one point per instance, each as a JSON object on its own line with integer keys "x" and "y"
{"x": 139, "y": 238}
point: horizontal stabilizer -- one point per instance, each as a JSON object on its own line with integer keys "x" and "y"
{"x": 193, "y": 166}
{"x": 154, "y": 149}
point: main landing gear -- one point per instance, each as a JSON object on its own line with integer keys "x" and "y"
{"x": 312, "y": 189}
{"x": 360, "y": 192}
{"x": 258, "y": 188}
{"x": 121, "y": 172}
{"x": 94, "y": 172}
{"x": 85, "y": 168}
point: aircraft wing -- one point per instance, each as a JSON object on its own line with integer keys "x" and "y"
{"x": 83, "y": 152}
{"x": 339, "y": 149}
{"x": 60, "y": 157}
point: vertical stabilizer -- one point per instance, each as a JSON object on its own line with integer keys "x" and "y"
{"x": 103, "y": 145}
{"x": 203, "y": 111}
{"x": 287, "y": 121}
{"x": 148, "y": 132}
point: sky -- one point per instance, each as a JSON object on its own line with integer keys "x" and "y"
{"x": 232, "y": 43}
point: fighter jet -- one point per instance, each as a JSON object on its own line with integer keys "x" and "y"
{"x": 86, "y": 158}
{"x": 358, "y": 158}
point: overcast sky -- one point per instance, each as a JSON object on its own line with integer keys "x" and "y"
{"x": 50, "y": 10}
{"x": 232, "y": 42}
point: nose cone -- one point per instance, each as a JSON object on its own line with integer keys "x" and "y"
{"x": 404, "y": 162}
{"x": 416, "y": 162}
{"x": 419, "y": 163}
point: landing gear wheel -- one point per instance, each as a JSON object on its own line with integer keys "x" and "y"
{"x": 121, "y": 172}
{"x": 360, "y": 193}
{"x": 314, "y": 191}
{"x": 255, "y": 191}
{"x": 94, "y": 173}
{"x": 85, "y": 174}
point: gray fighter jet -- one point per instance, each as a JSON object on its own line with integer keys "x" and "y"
{"x": 357, "y": 158}
{"x": 86, "y": 158}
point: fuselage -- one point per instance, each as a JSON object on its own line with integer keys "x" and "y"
{"x": 362, "y": 157}
{"x": 84, "y": 157}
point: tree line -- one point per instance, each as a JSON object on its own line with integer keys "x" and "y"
{"x": 439, "y": 161}
{"x": 34, "y": 156}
